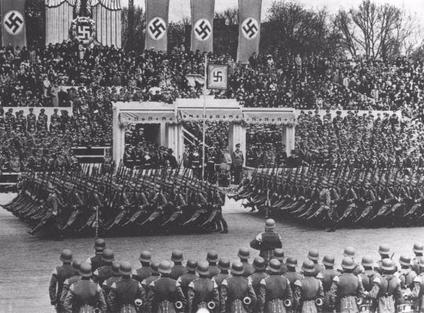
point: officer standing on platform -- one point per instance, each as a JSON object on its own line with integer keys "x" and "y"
{"x": 85, "y": 294}
{"x": 267, "y": 241}
{"x": 238, "y": 161}
{"x": 203, "y": 291}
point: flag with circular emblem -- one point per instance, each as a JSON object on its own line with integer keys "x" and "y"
{"x": 249, "y": 29}
{"x": 157, "y": 12}
{"x": 13, "y": 23}
{"x": 202, "y": 14}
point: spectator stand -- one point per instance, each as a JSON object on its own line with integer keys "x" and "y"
{"x": 168, "y": 118}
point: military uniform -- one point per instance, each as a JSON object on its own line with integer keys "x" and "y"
{"x": 244, "y": 254}
{"x": 104, "y": 272}
{"x": 164, "y": 295}
{"x": 308, "y": 293}
{"x": 387, "y": 288}
{"x": 275, "y": 293}
{"x": 58, "y": 278}
{"x": 346, "y": 288}
{"x": 127, "y": 294}
{"x": 185, "y": 279}
{"x": 203, "y": 291}
{"x": 85, "y": 294}
{"x": 212, "y": 258}
{"x": 237, "y": 291}
{"x": 146, "y": 270}
{"x": 292, "y": 275}
{"x": 116, "y": 276}
{"x": 267, "y": 241}
{"x": 178, "y": 269}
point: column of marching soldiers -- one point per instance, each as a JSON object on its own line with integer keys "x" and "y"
{"x": 99, "y": 200}
{"x": 271, "y": 284}
{"x": 337, "y": 196}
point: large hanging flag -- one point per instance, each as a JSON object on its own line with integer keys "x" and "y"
{"x": 157, "y": 12}
{"x": 249, "y": 29}
{"x": 202, "y": 14}
{"x": 13, "y": 23}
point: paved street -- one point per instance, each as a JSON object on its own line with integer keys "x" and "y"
{"x": 27, "y": 261}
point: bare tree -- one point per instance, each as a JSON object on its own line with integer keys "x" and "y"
{"x": 376, "y": 31}
{"x": 230, "y": 16}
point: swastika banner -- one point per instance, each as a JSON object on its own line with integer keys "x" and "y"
{"x": 217, "y": 76}
{"x": 13, "y": 23}
{"x": 202, "y": 13}
{"x": 249, "y": 29}
{"x": 157, "y": 12}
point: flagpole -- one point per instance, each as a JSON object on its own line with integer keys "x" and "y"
{"x": 205, "y": 87}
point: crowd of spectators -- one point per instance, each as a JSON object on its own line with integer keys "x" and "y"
{"x": 361, "y": 140}
{"x": 89, "y": 80}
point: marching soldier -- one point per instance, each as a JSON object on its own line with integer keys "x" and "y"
{"x": 203, "y": 291}
{"x": 85, "y": 295}
{"x": 386, "y": 288}
{"x": 237, "y": 294}
{"x": 212, "y": 258}
{"x": 308, "y": 292}
{"x": 59, "y": 276}
{"x": 76, "y": 265}
{"x": 185, "y": 279}
{"x": 267, "y": 241}
{"x": 346, "y": 288}
{"x": 244, "y": 255}
{"x": 145, "y": 270}
{"x": 178, "y": 269}
{"x": 275, "y": 293}
{"x": 164, "y": 295}
{"x": 126, "y": 295}
{"x": 96, "y": 261}
{"x": 116, "y": 276}
{"x": 104, "y": 272}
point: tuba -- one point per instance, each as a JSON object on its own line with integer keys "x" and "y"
{"x": 287, "y": 303}
{"x": 247, "y": 300}
{"x": 211, "y": 306}
{"x": 178, "y": 305}
{"x": 319, "y": 302}
{"x": 138, "y": 303}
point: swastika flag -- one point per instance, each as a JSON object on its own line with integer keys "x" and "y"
{"x": 202, "y": 13}
{"x": 249, "y": 29}
{"x": 157, "y": 12}
{"x": 13, "y": 27}
{"x": 217, "y": 76}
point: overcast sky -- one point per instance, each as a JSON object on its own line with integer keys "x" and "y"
{"x": 181, "y": 8}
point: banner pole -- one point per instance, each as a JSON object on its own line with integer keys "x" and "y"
{"x": 204, "y": 116}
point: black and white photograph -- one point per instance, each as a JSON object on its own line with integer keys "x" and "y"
{"x": 211, "y": 156}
